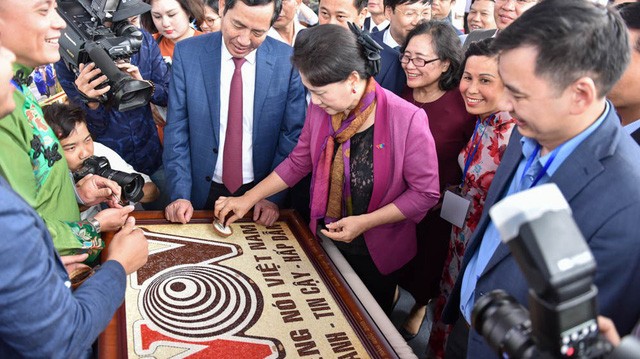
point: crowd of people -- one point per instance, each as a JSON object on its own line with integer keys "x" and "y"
{"x": 400, "y": 129}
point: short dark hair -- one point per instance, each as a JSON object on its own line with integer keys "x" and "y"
{"x": 63, "y": 118}
{"x": 630, "y": 13}
{"x": 277, "y": 6}
{"x": 447, "y": 46}
{"x": 358, "y": 4}
{"x": 393, "y": 3}
{"x": 214, "y": 4}
{"x": 193, "y": 8}
{"x": 327, "y": 54}
{"x": 478, "y": 48}
{"x": 574, "y": 38}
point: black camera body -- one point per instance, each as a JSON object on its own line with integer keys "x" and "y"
{"x": 132, "y": 183}
{"x": 559, "y": 268}
{"x": 98, "y": 31}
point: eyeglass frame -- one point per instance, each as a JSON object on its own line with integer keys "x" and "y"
{"x": 415, "y": 13}
{"x": 412, "y": 60}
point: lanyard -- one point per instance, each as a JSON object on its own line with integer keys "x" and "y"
{"x": 544, "y": 169}
{"x": 472, "y": 153}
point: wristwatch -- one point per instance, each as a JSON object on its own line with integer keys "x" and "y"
{"x": 95, "y": 224}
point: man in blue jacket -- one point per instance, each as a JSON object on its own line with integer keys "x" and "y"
{"x": 558, "y": 61}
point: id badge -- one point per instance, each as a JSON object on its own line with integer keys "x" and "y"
{"x": 454, "y": 208}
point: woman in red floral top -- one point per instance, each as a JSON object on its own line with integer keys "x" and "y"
{"x": 481, "y": 88}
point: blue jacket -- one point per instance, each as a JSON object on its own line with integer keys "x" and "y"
{"x": 132, "y": 134}
{"x": 193, "y": 123}
{"x": 40, "y": 316}
{"x": 600, "y": 182}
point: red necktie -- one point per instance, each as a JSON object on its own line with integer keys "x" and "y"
{"x": 232, "y": 160}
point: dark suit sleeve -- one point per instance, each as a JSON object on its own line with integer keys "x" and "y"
{"x": 40, "y": 316}
{"x": 176, "y": 154}
{"x": 616, "y": 248}
{"x": 291, "y": 126}
{"x": 160, "y": 72}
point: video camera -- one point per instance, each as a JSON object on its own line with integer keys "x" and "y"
{"x": 549, "y": 248}
{"x": 131, "y": 183}
{"x": 98, "y": 31}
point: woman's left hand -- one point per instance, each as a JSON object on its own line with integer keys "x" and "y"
{"x": 346, "y": 229}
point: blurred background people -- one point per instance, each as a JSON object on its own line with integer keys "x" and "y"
{"x": 212, "y": 20}
{"x": 353, "y": 123}
{"x": 625, "y": 94}
{"x": 482, "y": 90}
{"x": 480, "y": 17}
{"x": 377, "y": 19}
{"x": 444, "y": 10}
{"x": 431, "y": 60}
{"x": 504, "y": 13}
{"x": 287, "y": 25}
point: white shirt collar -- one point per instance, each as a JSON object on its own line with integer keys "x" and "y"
{"x": 226, "y": 55}
{"x": 389, "y": 40}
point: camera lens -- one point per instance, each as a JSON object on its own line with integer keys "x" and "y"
{"x": 504, "y": 323}
{"x": 131, "y": 183}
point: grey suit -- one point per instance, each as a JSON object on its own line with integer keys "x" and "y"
{"x": 477, "y": 35}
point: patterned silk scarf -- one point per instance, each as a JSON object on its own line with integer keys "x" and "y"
{"x": 331, "y": 187}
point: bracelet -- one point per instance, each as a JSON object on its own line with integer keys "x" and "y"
{"x": 95, "y": 224}
{"x": 153, "y": 87}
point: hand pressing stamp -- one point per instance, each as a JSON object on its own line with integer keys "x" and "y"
{"x": 221, "y": 230}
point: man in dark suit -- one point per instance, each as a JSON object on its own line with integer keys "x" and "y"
{"x": 236, "y": 109}
{"x": 341, "y": 12}
{"x": 558, "y": 61}
{"x": 504, "y": 12}
{"x": 377, "y": 21}
{"x": 625, "y": 95}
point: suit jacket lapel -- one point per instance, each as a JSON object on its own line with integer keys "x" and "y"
{"x": 264, "y": 71}
{"x": 211, "y": 64}
{"x": 585, "y": 161}
{"x": 382, "y": 150}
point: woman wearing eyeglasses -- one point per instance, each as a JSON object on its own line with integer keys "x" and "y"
{"x": 431, "y": 59}
{"x": 212, "y": 20}
{"x": 370, "y": 154}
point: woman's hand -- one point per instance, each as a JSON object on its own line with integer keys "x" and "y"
{"x": 346, "y": 229}
{"x": 237, "y": 206}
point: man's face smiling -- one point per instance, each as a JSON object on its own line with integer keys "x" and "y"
{"x": 245, "y": 27}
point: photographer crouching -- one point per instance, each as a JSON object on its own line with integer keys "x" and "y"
{"x": 84, "y": 157}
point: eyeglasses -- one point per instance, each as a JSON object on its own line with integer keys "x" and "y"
{"x": 417, "y": 62}
{"x": 413, "y": 14}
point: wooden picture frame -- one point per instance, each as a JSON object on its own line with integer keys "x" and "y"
{"x": 113, "y": 341}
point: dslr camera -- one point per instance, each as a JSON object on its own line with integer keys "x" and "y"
{"x": 131, "y": 183}
{"x": 98, "y": 31}
{"x": 559, "y": 267}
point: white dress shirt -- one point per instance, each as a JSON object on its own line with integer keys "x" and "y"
{"x": 248, "y": 88}
{"x": 389, "y": 40}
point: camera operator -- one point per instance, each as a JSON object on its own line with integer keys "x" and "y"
{"x": 69, "y": 124}
{"x": 132, "y": 134}
{"x": 558, "y": 61}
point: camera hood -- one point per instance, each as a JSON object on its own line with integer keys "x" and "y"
{"x": 129, "y": 8}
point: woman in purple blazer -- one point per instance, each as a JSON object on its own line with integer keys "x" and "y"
{"x": 371, "y": 155}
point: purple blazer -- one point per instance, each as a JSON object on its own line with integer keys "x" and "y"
{"x": 405, "y": 172}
